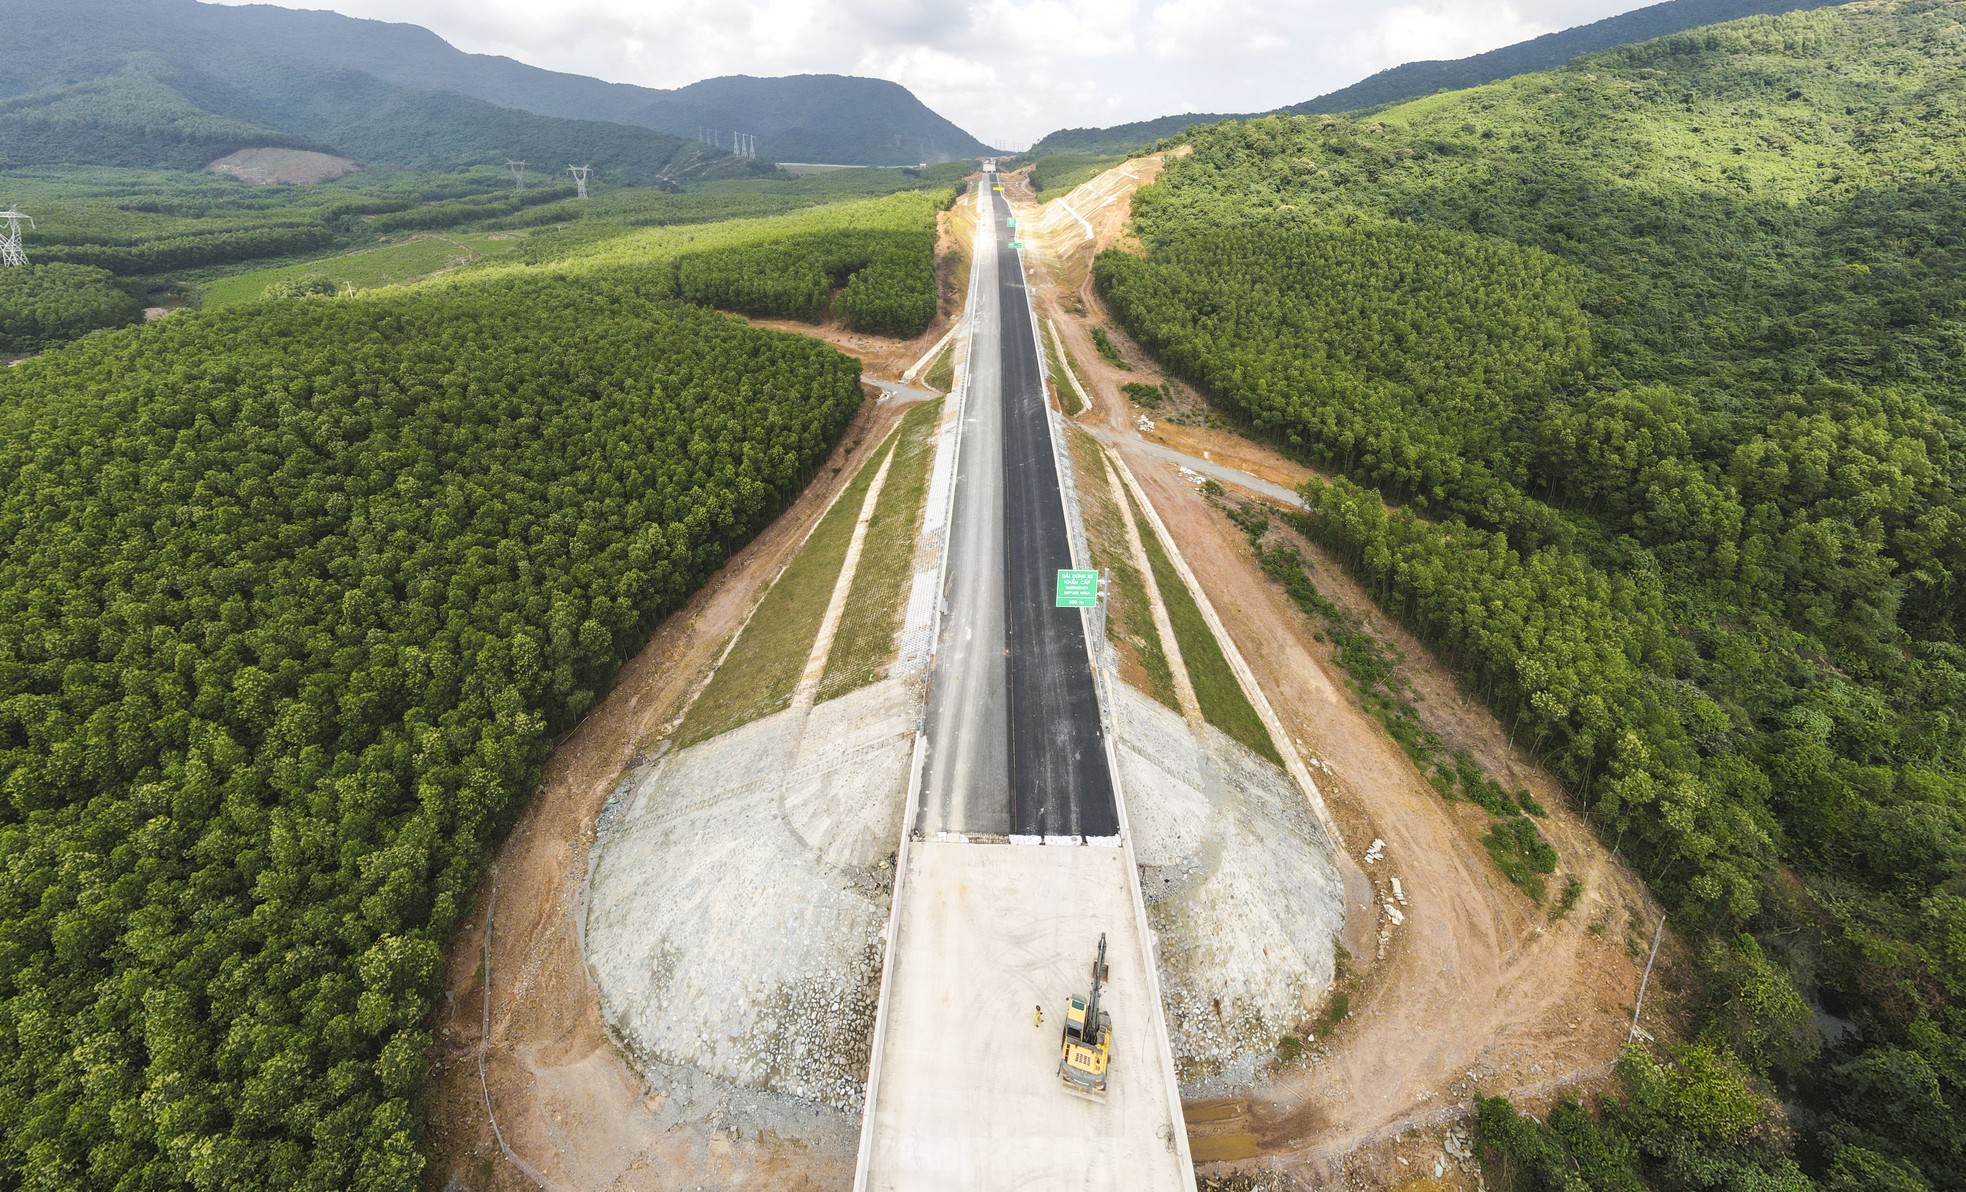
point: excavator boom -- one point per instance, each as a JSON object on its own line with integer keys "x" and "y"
{"x": 1086, "y": 1044}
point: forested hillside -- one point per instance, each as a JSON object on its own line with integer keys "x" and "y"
{"x": 43, "y": 305}
{"x": 174, "y": 234}
{"x": 184, "y": 110}
{"x": 1658, "y": 359}
{"x": 1412, "y": 80}
{"x": 293, "y": 598}
{"x": 149, "y": 82}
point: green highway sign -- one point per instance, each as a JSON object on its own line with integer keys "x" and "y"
{"x": 1013, "y": 221}
{"x": 1017, "y": 244}
{"x": 1078, "y": 589}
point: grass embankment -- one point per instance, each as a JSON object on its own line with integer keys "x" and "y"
{"x": 761, "y": 671}
{"x": 1217, "y": 691}
{"x": 941, "y": 375}
{"x": 1129, "y": 615}
{"x": 1068, "y": 394}
{"x": 386, "y": 265}
{"x": 864, "y": 644}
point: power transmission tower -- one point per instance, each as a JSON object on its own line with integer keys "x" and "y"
{"x": 580, "y": 179}
{"x": 743, "y": 144}
{"x": 518, "y": 169}
{"x": 10, "y": 250}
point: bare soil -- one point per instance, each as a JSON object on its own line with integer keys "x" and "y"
{"x": 566, "y": 1103}
{"x": 283, "y": 166}
{"x": 1480, "y": 989}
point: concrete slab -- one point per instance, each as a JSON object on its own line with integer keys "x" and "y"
{"x": 969, "y": 1095}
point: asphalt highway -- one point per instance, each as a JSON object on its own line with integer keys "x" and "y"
{"x": 1014, "y": 736}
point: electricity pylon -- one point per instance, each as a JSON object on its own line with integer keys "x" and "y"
{"x": 10, "y": 250}
{"x": 518, "y": 169}
{"x": 580, "y": 179}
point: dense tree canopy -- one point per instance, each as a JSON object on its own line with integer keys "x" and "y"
{"x": 1661, "y": 354}
{"x": 885, "y": 279}
{"x": 47, "y": 304}
{"x": 292, "y": 597}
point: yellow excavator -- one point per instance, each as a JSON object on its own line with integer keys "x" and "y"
{"x": 1086, "y": 1047}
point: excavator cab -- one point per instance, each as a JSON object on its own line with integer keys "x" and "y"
{"x": 1086, "y": 1044}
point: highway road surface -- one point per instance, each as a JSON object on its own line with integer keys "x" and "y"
{"x": 964, "y": 1093}
{"x": 1014, "y": 735}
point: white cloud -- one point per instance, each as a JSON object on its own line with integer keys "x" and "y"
{"x": 1210, "y": 31}
{"x": 1422, "y": 32}
{"x": 1009, "y": 71}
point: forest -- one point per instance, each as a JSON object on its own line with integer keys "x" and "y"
{"x": 1637, "y": 390}
{"x": 885, "y": 279}
{"x": 169, "y": 234}
{"x": 294, "y": 597}
{"x": 43, "y": 305}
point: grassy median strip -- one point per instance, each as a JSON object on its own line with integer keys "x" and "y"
{"x": 1129, "y": 618}
{"x": 758, "y": 677}
{"x": 1068, "y": 396}
{"x": 1222, "y": 702}
{"x": 865, "y": 642}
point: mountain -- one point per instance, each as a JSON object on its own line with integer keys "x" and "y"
{"x": 1415, "y": 79}
{"x": 830, "y": 118}
{"x": 824, "y": 118}
{"x": 820, "y": 118}
{"x": 129, "y": 83}
{"x": 1123, "y": 138}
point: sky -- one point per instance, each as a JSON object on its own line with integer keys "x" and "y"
{"x": 1008, "y": 71}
